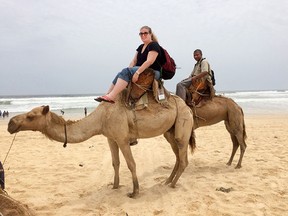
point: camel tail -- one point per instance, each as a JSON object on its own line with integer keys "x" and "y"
{"x": 244, "y": 127}
{"x": 192, "y": 141}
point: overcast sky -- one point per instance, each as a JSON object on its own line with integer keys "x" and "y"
{"x": 78, "y": 46}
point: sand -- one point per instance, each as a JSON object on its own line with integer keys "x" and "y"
{"x": 77, "y": 180}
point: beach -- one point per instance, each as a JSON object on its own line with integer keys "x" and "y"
{"x": 77, "y": 180}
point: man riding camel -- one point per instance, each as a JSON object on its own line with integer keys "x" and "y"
{"x": 200, "y": 80}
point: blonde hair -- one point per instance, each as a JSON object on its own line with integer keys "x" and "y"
{"x": 153, "y": 36}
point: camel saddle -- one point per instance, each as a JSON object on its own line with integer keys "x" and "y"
{"x": 145, "y": 84}
{"x": 198, "y": 91}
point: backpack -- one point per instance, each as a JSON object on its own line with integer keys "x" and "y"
{"x": 168, "y": 66}
{"x": 212, "y": 74}
{"x": 213, "y": 78}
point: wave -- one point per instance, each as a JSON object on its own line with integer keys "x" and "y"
{"x": 248, "y": 100}
{"x": 5, "y": 102}
{"x": 24, "y": 104}
{"x": 258, "y": 94}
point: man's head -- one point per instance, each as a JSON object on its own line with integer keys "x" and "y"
{"x": 197, "y": 55}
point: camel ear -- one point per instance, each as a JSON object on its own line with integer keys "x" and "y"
{"x": 45, "y": 110}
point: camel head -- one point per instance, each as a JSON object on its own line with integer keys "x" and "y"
{"x": 35, "y": 120}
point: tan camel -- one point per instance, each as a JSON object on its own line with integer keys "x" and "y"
{"x": 120, "y": 124}
{"x": 223, "y": 109}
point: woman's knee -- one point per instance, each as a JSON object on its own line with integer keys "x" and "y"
{"x": 125, "y": 71}
{"x": 116, "y": 78}
{"x": 125, "y": 74}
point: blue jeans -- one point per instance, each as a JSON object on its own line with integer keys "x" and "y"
{"x": 127, "y": 74}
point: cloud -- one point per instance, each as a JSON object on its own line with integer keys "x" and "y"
{"x": 50, "y": 47}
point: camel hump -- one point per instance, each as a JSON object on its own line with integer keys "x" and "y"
{"x": 144, "y": 83}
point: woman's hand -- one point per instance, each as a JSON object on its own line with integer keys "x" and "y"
{"x": 135, "y": 77}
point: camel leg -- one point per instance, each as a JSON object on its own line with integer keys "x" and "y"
{"x": 243, "y": 146}
{"x": 235, "y": 147}
{"x": 126, "y": 151}
{"x": 241, "y": 136}
{"x": 236, "y": 128}
{"x": 182, "y": 133}
{"x": 183, "y": 162}
{"x": 115, "y": 161}
{"x": 179, "y": 144}
{"x": 170, "y": 138}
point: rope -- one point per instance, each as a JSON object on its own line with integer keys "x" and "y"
{"x": 201, "y": 93}
{"x": 9, "y": 149}
{"x": 196, "y": 115}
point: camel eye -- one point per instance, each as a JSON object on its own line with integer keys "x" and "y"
{"x": 30, "y": 118}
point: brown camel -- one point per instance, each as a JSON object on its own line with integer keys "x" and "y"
{"x": 219, "y": 109}
{"x": 120, "y": 124}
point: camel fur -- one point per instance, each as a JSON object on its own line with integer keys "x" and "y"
{"x": 120, "y": 124}
{"x": 218, "y": 109}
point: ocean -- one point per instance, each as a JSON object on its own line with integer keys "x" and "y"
{"x": 252, "y": 102}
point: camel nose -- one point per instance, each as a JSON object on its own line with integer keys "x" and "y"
{"x": 12, "y": 127}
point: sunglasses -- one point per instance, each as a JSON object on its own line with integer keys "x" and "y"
{"x": 143, "y": 33}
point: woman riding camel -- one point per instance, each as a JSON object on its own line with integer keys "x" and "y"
{"x": 147, "y": 56}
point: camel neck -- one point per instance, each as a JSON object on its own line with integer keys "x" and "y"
{"x": 75, "y": 131}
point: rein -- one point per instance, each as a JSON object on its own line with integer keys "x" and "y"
{"x": 65, "y": 133}
{"x": 201, "y": 93}
{"x": 9, "y": 149}
{"x": 196, "y": 91}
{"x": 196, "y": 115}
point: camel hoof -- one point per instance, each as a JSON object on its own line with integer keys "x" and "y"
{"x": 114, "y": 186}
{"x": 132, "y": 195}
{"x": 228, "y": 164}
{"x": 133, "y": 142}
{"x": 168, "y": 181}
{"x": 173, "y": 186}
{"x": 238, "y": 166}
